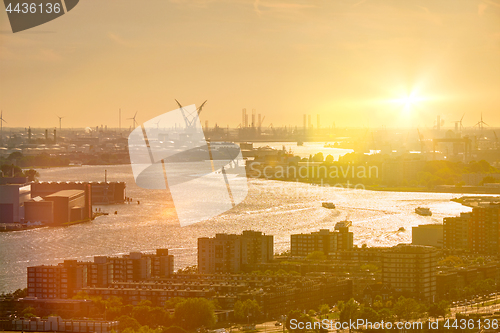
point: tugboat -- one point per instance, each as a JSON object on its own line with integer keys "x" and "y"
{"x": 424, "y": 211}
{"x": 328, "y": 205}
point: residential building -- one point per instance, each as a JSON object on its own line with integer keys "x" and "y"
{"x": 60, "y": 281}
{"x": 455, "y": 231}
{"x": 324, "y": 240}
{"x": 428, "y": 235}
{"x": 227, "y": 253}
{"x": 411, "y": 270}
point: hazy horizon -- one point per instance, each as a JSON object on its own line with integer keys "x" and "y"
{"x": 367, "y": 63}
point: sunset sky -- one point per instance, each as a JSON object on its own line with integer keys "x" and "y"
{"x": 358, "y": 63}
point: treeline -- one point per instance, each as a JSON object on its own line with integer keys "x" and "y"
{"x": 11, "y": 170}
{"x": 42, "y": 160}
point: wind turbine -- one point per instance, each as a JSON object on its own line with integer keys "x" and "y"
{"x": 481, "y": 123}
{"x": 458, "y": 124}
{"x": 60, "y": 118}
{"x": 133, "y": 119}
{"x": 1, "y": 126}
{"x": 157, "y": 124}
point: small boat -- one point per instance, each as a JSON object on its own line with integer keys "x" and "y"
{"x": 424, "y": 211}
{"x": 329, "y": 205}
{"x": 402, "y": 229}
{"x": 300, "y": 143}
{"x": 342, "y": 224}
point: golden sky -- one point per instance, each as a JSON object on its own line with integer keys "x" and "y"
{"x": 352, "y": 62}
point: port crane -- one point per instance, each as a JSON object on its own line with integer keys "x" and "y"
{"x": 190, "y": 117}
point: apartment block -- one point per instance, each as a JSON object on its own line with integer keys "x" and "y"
{"x": 66, "y": 279}
{"x": 411, "y": 270}
{"x": 456, "y": 231}
{"x": 324, "y": 240}
{"x": 478, "y": 231}
{"x": 484, "y": 229}
{"x": 428, "y": 235}
{"x": 61, "y": 281}
{"x": 227, "y": 253}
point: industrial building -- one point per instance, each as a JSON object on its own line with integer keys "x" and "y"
{"x": 60, "y": 208}
{"x": 103, "y": 193}
{"x": 14, "y": 192}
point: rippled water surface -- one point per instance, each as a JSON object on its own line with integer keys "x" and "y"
{"x": 276, "y": 208}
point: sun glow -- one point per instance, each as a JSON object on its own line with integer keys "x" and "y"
{"x": 409, "y": 102}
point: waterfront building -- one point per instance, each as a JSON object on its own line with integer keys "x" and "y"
{"x": 64, "y": 280}
{"x": 60, "y": 281}
{"x": 428, "y": 235}
{"x": 14, "y": 192}
{"x": 477, "y": 231}
{"x": 227, "y": 253}
{"x": 324, "y": 240}
{"x": 455, "y": 231}
{"x": 411, "y": 270}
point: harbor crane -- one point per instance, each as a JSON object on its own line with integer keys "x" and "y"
{"x": 190, "y": 117}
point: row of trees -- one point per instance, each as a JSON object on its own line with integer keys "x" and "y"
{"x": 11, "y": 170}
{"x": 43, "y": 160}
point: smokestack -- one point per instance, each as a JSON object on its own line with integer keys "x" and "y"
{"x": 318, "y": 122}
{"x": 305, "y": 123}
{"x": 260, "y": 121}
{"x": 246, "y": 120}
{"x": 55, "y": 136}
{"x": 46, "y": 136}
{"x": 253, "y": 118}
{"x": 309, "y": 124}
{"x": 29, "y": 134}
{"x": 243, "y": 116}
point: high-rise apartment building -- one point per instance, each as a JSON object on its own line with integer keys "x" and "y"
{"x": 229, "y": 253}
{"x": 477, "y": 231}
{"x": 411, "y": 270}
{"x": 324, "y": 240}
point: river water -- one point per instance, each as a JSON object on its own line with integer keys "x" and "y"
{"x": 274, "y": 207}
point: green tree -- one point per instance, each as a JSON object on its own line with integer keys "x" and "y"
{"x": 194, "y": 313}
{"x": 242, "y": 310}
{"x": 128, "y": 322}
{"x": 349, "y": 311}
{"x": 329, "y": 159}
{"x": 316, "y": 255}
{"x": 31, "y": 175}
{"x": 324, "y": 309}
{"x": 440, "y": 309}
{"x": 318, "y": 157}
{"x": 408, "y": 308}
